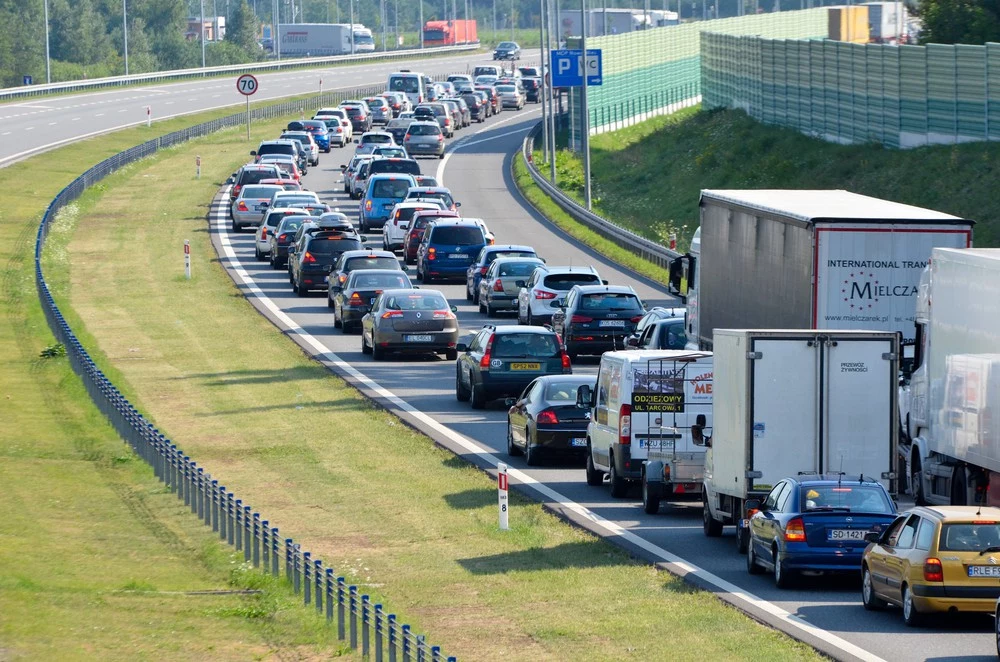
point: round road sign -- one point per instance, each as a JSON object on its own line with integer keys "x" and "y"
{"x": 246, "y": 84}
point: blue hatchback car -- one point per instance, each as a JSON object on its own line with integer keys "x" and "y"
{"x": 319, "y": 132}
{"x": 381, "y": 196}
{"x": 448, "y": 247}
{"x": 816, "y": 523}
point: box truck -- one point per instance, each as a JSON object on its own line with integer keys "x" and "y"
{"x": 450, "y": 33}
{"x": 886, "y": 21}
{"x": 788, "y": 402}
{"x": 949, "y": 401}
{"x": 314, "y": 39}
{"x": 803, "y": 259}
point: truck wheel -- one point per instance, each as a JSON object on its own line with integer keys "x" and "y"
{"x": 594, "y": 477}
{"x": 650, "y": 504}
{"x": 713, "y": 528}
{"x": 619, "y": 486}
{"x": 917, "y": 484}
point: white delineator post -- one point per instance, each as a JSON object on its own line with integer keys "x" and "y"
{"x": 502, "y": 490}
{"x": 197, "y": 167}
{"x": 187, "y": 259}
{"x": 321, "y": 87}
{"x": 149, "y": 115}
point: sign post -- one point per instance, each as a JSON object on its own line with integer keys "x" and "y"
{"x": 570, "y": 68}
{"x": 187, "y": 259}
{"x": 247, "y": 86}
{"x": 502, "y": 490}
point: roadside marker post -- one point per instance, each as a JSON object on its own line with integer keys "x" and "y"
{"x": 187, "y": 259}
{"x": 321, "y": 87}
{"x": 502, "y": 490}
{"x": 149, "y": 116}
{"x": 197, "y": 167}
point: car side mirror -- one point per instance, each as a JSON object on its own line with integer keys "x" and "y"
{"x": 231, "y": 180}
{"x": 584, "y": 396}
{"x": 253, "y": 152}
{"x": 556, "y": 304}
{"x": 753, "y": 504}
{"x": 518, "y": 283}
{"x": 357, "y": 142}
{"x": 872, "y": 536}
{"x": 632, "y": 341}
{"x": 510, "y": 402}
{"x": 604, "y": 282}
{"x": 343, "y": 168}
{"x": 458, "y": 204}
{"x": 461, "y": 347}
{"x": 265, "y": 204}
{"x": 291, "y": 249}
{"x": 454, "y": 309}
{"x": 364, "y": 240}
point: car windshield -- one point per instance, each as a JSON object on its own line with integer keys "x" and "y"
{"x": 506, "y": 88}
{"x": 322, "y": 246}
{"x": 458, "y": 235}
{"x": 564, "y": 391}
{"x": 259, "y": 191}
{"x": 610, "y": 301}
{"x": 360, "y": 280}
{"x": 525, "y": 345}
{"x": 391, "y": 152}
{"x": 849, "y": 498}
{"x": 376, "y": 138}
{"x": 507, "y": 44}
{"x": 424, "y": 301}
{"x": 424, "y": 130}
{"x": 510, "y": 269}
{"x": 969, "y": 536}
{"x": 404, "y": 84}
{"x": 403, "y": 166}
{"x": 370, "y": 262}
{"x": 390, "y": 188}
{"x": 289, "y": 200}
{"x": 563, "y": 282}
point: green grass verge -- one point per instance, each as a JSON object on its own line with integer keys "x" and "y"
{"x": 550, "y": 210}
{"x": 647, "y": 177}
{"x": 97, "y": 560}
{"x": 408, "y": 521}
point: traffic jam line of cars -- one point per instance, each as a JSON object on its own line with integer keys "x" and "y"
{"x": 645, "y": 419}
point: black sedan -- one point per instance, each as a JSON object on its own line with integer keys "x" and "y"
{"x": 282, "y": 238}
{"x": 546, "y": 418}
{"x": 353, "y": 301}
{"x": 507, "y": 50}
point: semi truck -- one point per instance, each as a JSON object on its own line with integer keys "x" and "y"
{"x": 314, "y": 39}
{"x": 949, "y": 400}
{"x": 450, "y": 33}
{"x": 794, "y": 401}
{"x": 800, "y": 259}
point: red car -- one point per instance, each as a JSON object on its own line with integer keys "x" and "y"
{"x": 417, "y": 224}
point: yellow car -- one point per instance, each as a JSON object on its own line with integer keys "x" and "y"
{"x": 934, "y": 559}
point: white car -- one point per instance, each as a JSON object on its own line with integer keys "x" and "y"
{"x": 545, "y": 285}
{"x": 346, "y": 134}
{"x": 372, "y": 139}
{"x": 396, "y": 228}
{"x": 285, "y": 198}
{"x": 510, "y": 97}
{"x": 490, "y": 237}
{"x": 272, "y": 219}
{"x": 307, "y": 141}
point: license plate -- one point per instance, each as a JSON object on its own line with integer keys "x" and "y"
{"x": 525, "y": 366}
{"x": 419, "y": 338}
{"x": 457, "y": 256}
{"x": 578, "y": 442}
{"x": 371, "y": 301}
{"x": 258, "y": 208}
{"x": 984, "y": 570}
{"x": 389, "y": 205}
{"x": 612, "y": 323}
{"x": 845, "y": 534}
{"x": 326, "y": 279}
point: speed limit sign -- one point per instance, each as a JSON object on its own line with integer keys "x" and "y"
{"x": 246, "y": 84}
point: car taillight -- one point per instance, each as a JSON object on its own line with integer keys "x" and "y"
{"x": 625, "y": 425}
{"x": 355, "y": 300}
{"x": 308, "y": 258}
{"x": 342, "y": 278}
{"x": 242, "y": 206}
{"x": 635, "y": 320}
{"x": 444, "y": 315}
{"x": 483, "y": 270}
{"x": 283, "y": 236}
{"x": 484, "y": 362}
{"x": 392, "y": 313}
{"x": 361, "y": 116}
{"x": 440, "y": 138}
{"x": 498, "y": 285}
{"x": 368, "y": 205}
{"x": 540, "y": 294}
{"x": 263, "y": 233}
{"x": 580, "y": 319}
{"x": 547, "y": 417}
{"x": 933, "y": 572}
{"x": 431, "y": 253}
{"x": 406, "y": 137}
{"x": 565, "y": 361}
{"x": 795, "y": 530}
{"x": 447, "y": 121}
{"x": 236, "y": 190}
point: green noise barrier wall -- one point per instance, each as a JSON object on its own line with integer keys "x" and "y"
{"x": 653, "y": 71}
{"x": 900, "y": 96}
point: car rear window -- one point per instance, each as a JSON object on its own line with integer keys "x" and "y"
{"x": 366, "y": 262}
{"x": 378, "y": 281}
{"x": 491, "y": 257}
{"x": 424, "y": 130}
{"x": 295, "y": 200}
{"x": 435, "y": 195}
{"x": 406, "y": 213}
{"x": 401, "y": 166}
{"x": 290, "y": 224}
{"x": 562, "y": 282}
{"x": 849, "y": 498}
{"x": 517, "y": 268}
{"x": 354, "y": 111}
{"x": 390, "y": 188}
{"x": 525, "y": 345}
{"x": 458, "y": 235}
{"x": 562, "y": 391}
{"x": 424, "y": 301}
{"x": 391, "y": 153}
{"x": 321, "y": 246}
{"x": 254, "y": 176}
{"x": 969, "y": 536}
{"x": 258, "y": 191}
{"x": 376, "y": 139}
{"x": 611, "y": 301}
{"x": 275, "y": 149}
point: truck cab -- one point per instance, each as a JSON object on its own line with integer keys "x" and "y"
{"x": 684, "y": 280}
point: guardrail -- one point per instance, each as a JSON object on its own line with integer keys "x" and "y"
{"x": 234, "y": 520}
{"x": 644, "y": 248}
{"x": 9, "y": 93}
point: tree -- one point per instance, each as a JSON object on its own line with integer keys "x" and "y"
{"x": 960, "y": 21}
{"x": 242, "y": 29}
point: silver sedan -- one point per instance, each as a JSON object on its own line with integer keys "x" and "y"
{"x": 251, "y": 204}
{"x": 410, "y": 321}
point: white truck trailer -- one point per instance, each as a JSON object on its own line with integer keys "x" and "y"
{"x": 314, "y": 39}
{"x": 787, "y": 402}
{"x": 791, "y": 259}
{"x": 949, "y": 401}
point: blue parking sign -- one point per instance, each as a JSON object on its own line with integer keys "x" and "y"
{"x": 567, "y": 70}
{"x": 27, "y": 80}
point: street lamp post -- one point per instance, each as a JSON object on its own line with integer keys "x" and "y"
{"x": 352, "y": 25}
{"x": 48, "y": 66}
{"x": 584, "y": 111}
{"x": 201, "y": 27}
{"x": 541, "y": 43}
{"x": 420, "y": 26}
{"x": 512, "y": 20}
{"x": 124, "y": 32}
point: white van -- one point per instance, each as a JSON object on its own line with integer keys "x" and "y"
{"x": 649, "y": 406}
{"x": 414, "y": 84}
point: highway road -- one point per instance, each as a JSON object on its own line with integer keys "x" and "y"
{"x": 824, "y": 612}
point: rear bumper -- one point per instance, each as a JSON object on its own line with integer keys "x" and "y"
{"x": 502, "y": 301}
{"x": 625, "y": 466}
{"x": 353, "y": 313}
{"x": 444, "y": 270}
{"x": 598, "y": 344}
{"x": 433, "y": 150}
{"x": 561, "y": 439}
{"x": 505, "y": 386}
{"x": 799, "y": 556}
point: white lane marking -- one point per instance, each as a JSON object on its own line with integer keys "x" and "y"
{"x": 53, "y": 123}
{"x": 100, "y": 114}
{"x": 672, "y": 560}
{"x": 30, "y": 128}
{"x": 75, "y": 119}
{"x": 464, "y": 142}
{"x": 26, "y": 105}
{"x": 5, "y": 133}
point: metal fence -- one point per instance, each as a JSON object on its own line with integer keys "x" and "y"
{"x": 362, "y": 623}
{"x": 900, "y": 96}
{"x": 10, "y": 93}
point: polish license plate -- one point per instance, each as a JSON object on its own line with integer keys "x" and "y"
{"x": 457, "y": 256}
{"x": 578, "y": 442}
{"x": 371, "y": 301}
{"x": 258, "y": 208}
{"x": 984, "y": 570}
{"x": 612, "y": 323}
{"x": 418, "y": 338}
{"x": 525, "y": 366}
{"x": 845, "y": 534}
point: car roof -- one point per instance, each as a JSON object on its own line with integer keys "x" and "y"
{"x": 382, "y": 176}
{"x": 457, "y": 222}
{"x": 569, "y": 269}
{"x": 508, "y": 247}
{"x": 599, "y": 289}
{"x": 430, "y": 189}
{"x": 367, "y": 253}
{"x": 667, "y": 313}
{"x": 808, "y": 480}
{"x": 515, "y": 258}
{"x": 423, "y": 123}
{"x": 504, "y": 329}
{"x": 958, "y": 513}
{"x": 376, "y": 133}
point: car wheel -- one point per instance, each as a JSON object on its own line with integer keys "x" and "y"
{"x": 235, "y": 227}
{"x": 742, "y": 540}
{"x": 532, "y": 454}
{"x": 619, "y": 486}
{"x": 364, "y": 343}
{"x": 409, "y": 260}
{"x": 490, "y": 311}
{"x": 783, "y": 577}
{"x": 256, "y": 253}
{"x": 594, "y": 477}
{"x": 870, "y": 601}
{"x": 441, "y": 155}
{"x": 362, "y": 226}
{"x": 911, "y": 616}
{"x": 468, "y": 293}
{"x": 753, "y": 567}
{"x": 712, "y": 526}
{"x": 461, "y": 392}
{"x": 271, "y": 261}
{"x": 426, "y": 279}
{"x": 451, "y": 354}
{"x": 301, "y": 291}
{"x": 478, "y": 396}
{"x": 482, "y": 306}
{"x": 378, "y": 353}
{"x": 529, "y": 321}
{"x": 512, "y": 449}
{"x": 650, "y": 504}
{"x": 475, "y": 296}
{"x": 331, "y": 304}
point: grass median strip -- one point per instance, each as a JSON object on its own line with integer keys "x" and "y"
{"x": 409, "y": 522}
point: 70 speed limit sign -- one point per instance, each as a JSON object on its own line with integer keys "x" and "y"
{"x": 246, "y": 84}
